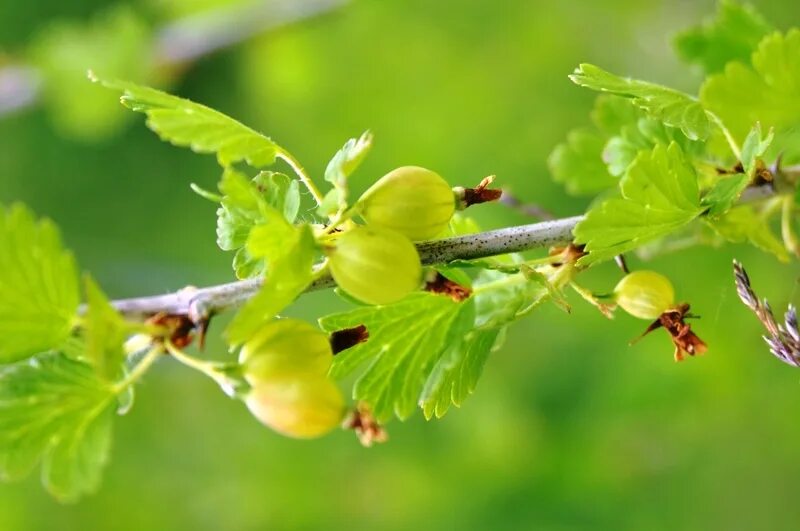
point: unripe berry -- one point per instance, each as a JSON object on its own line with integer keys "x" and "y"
{"x": 645, "y": 294}
{"x": 304, "y": 407}
{"x": 285, "y": 348}
{"x": 376, "y": 266}
{"x": 413, "y": 201}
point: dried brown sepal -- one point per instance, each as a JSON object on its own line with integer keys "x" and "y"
{"x": 179, "y": 328}
{"x": 480, "y": 194}
{"x": 366, "y": 428}
{"x": 442, "y": 285}
{"x": 569, "y": 254}
{"x": 783, "y": 339}
{"x": 348, "y": 337}
{"x": 685, "y": 341}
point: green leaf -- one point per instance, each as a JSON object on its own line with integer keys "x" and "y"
{"x": 406, "y": 341}
{"x": 659, "y": 195}
{"x": 732, "y": 36}
{"x": 724, "y": 194}
{"x": 105, "y": 332}
{"x": 670, "y": 106}
{"x": 754, "y": 147}
{"x": 457, "y": 373}
{"x": 39, "y": 292}
{"x": 245, "y": 204}
{"x": 578, "y": 163}
{"x": 503, "y": 298}
{"x": 56, "y": 411}
{"x": 767, "y": 92}
{"x": 341, "y": 166}
{"x": 743, "y": 224}
{"x": 643, "y": 134}
{"x": 289, "y": 252}
{"x": 188, "y": 124}
{"x": 612, "y": 113}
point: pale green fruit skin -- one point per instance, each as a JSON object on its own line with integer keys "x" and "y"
{"x": 413, "y": 201}
{"x": 303, "y": 408}
{"x": 376, "y": 266}
{"x": 645, "y": 294}
{"x": 285, "y": 348}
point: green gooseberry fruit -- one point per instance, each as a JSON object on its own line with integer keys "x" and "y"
{"x": 283, "y": 348}
{"x": 376, "y": 266}
{"x": 645, "y": 294}
{"x": 413, "y": 201}
{"x": 301, "y": 407}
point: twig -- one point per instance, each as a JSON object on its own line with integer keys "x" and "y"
{"x": 199, "y": 303}
{"x": 182, "y": 41}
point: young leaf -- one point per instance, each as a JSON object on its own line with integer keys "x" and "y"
{"x": 724, "y": 194}
{"x": 289, "y": 253}
{"x": 188, "y": 124}
{"x": 105, "y": 331}
{"x": 344, "y": 163}
{"x": 457, "y": 373}
{"x": 39, "y": 293}
{"x": 243, "y": 206}
{"x": 743, "y": 224}
{"x": 754, "y": 147}
{"x": 672, "y": 107}
{"x": 732, "y": 36}
{"x": 55, "y": 410}
{"x": 659, "y": 196}
{"x": 768, "y": 92}
{"x": 578, "y": 163}
{"x": 406, "y": 340}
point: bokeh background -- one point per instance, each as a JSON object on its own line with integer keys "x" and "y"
{"x": 570, "y": 428}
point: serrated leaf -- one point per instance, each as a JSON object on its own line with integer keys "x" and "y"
{"x": 767, "y": 92}
{"x": 457, "y": 373}
{"x": 611, "y": 113}
{"x": 245, "y": 204}
{"x": 743, "y": 224}
{"x": 732, "y": 36}
{"x": 188, "y": 124}
{"x": 578, "y": 163}
{"x": 56, "y": 411}
{"x": 754, "y": 147}
{"x": 340, "y": 167}
{"x": 659, "y": 195}
{"x": 502, "y": 298}
{"x": 406, "y": 340}
{"x": 39, "y": 293}
{"x": 105, "y": 332}
{"x": 670, "y": 106}
{"x": 724, "y": 194}
{"x": 289, "y": 252}
{"x": 643, "y": 134}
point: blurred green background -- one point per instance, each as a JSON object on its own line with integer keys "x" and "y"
{"x": 570, "y": 428}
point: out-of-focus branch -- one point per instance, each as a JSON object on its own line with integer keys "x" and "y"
{"x": 182, "y": 41}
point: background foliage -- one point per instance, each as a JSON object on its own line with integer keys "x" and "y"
{"x": 570, "y": 428}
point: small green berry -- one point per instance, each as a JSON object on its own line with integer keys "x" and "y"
{"x": 303, "y": 408}
{"x": 645, "y": 294}
{"x": 413, "y": 201}
{"x": 283, "y": 348}
{"x": 376, "y": 266}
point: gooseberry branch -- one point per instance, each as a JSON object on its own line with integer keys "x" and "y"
{"x": 201, "y": 303}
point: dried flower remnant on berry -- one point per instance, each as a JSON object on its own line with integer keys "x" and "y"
{"x": 442, "y": 285}
{"x": 365, "y": 426}
{"x": 467, "y": 197}
{"x": 348, "y": 337}
{"x": 685, "y": 341}
{"x": 783, "y": 339}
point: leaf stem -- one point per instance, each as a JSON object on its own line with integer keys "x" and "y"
{"x": 301, "y": 173}
{"x": 140, "y": 369}
{"x": 728, "y": 136}
{"x": 212, "y": 369}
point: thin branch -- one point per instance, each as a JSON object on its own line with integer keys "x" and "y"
{"x": 182, "y": 41}
{"x": 200, "y": 303}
